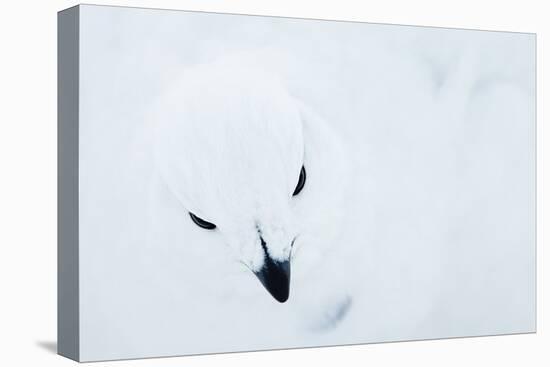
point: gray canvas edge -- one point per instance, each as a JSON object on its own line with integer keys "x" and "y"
{"x": 68, "y": 343}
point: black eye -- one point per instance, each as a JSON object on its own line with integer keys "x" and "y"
{"x": 201, "y": 222}
{"x": 301, "y": 182}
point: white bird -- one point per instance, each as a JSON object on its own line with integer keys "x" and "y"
{"x": 250, "y": 175}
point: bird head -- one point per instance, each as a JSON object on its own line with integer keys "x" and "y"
{"x": 230, "y": 145}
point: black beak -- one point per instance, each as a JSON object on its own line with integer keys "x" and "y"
{"x": 275, "y": 276}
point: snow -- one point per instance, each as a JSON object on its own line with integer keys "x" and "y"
{"x": 416, "y": 221}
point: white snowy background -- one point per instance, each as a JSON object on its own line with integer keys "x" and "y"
{"x": 439, "y": 125}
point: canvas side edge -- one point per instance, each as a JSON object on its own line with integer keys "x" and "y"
{"x": 68, "y": 328}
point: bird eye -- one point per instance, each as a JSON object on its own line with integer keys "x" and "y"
{"x": 301, "y": 182}
{"x": 201, "y": 222}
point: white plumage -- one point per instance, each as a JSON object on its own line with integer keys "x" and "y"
{"x": 229, "y": 144}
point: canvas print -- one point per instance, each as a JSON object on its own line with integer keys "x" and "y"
{"x": 238, "y": 183}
